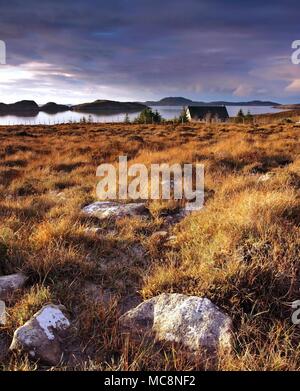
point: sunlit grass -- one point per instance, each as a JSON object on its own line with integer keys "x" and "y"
{"x": 241, "y": 250}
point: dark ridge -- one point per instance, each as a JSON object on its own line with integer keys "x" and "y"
{"x": 109, "y": 106}
{"x": 53, "y": 108}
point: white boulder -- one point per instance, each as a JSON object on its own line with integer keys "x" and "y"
{"x": 194, "y": 323}
{"x": 108, "y": 209}
{"x": 42, "y": 335}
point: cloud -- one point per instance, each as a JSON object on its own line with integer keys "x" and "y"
{"x": 294, "y": 86}
{"x": 243, "y": 90}
{"x": 147, "y": 49}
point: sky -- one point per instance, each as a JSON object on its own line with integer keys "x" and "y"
{"x": 73, "y": 51}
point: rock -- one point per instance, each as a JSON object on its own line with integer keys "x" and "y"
{"x": 59, "y": 195}
{"x": 108, "y": 209}
{"x": 266, "y": 177}
{"x": 159, "y": 236}
{"x": 2, "y": 313}
{"x": 194, "y": 323}
{"x": 10, "y": 283}
{"x": 42, "y": 335}
{"x": 171, "y": 241}
{"x": 93, "y": 230}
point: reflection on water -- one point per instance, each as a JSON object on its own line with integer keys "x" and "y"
{"x": 167, "y": 112}
{"x": 60, "y": 118}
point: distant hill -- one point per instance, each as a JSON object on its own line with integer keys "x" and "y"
{"x": 21, "y": 107}
{"x": 180, "y": 101}
{"x": 170, "y": 101}
{"x": 109, "y": 106}
{"x": 52, "y": 108}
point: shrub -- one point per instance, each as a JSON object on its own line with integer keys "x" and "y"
{"x": 148, "y": 116}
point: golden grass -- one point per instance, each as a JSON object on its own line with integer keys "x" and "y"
{"x": 241, "y": 250}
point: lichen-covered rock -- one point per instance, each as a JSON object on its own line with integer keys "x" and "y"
{"x": 194, "y": 323}
{"x": 41, "y": 337}
{"x": 10, "y": 283}
{"x": 108, "y": 209}
{"x": 2, "y": 313}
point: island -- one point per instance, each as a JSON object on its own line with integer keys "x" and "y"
{"x": 52, "y": 108}
{"x": 109, "y": 106}
{"x": 23, "y": 107}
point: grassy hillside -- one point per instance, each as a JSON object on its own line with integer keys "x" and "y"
{"x": 283, "y": 116}
{"x": 241, "y": 251}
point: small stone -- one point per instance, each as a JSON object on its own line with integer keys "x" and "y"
{"x": 41, "y": 337}
{"x": 9, "y": 284}
{"x": 159, "y": 235}
{"x": 93, "y": 230}
{"x": 59, "y": 195}
{"x": 266, "y": 177}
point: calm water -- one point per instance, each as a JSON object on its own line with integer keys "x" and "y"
{"x": 167, "y": 112}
